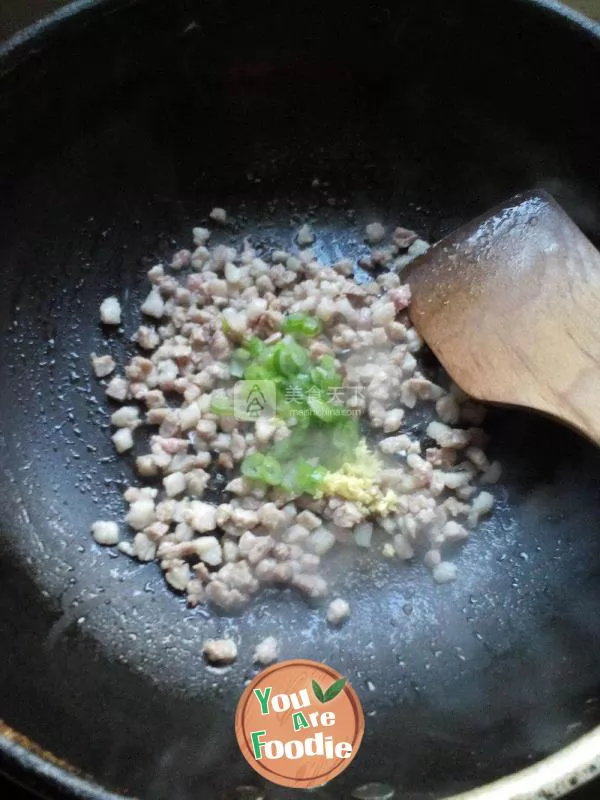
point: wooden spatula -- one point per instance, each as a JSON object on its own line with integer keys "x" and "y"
{"x": 510, "y": 304}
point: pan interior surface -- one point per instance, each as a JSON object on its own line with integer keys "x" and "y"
{"x": 122, "y": 127}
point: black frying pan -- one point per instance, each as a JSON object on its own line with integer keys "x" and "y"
{"x": 120, "y": 127}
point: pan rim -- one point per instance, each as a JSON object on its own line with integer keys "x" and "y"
{"x": 564, "y": 771}
{"x": 44, "y": 774}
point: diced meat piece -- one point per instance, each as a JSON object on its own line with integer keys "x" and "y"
{"x": 432, "y": 559}
{"x": 156, "y": 531}
{"x": 396, "y": 444}
{"x": 308, "y": 520}
{"x": 454, "y": 507}
{"x": 453, "y": 532}
{"x": 403, "y": 238}
{"x": 105, "y": 533}
{"x": 321, "y": 541}
{"x": 409, "y": 364}
{"x": 363, "y": 534}
{"x": 126, "y": 417}
{"x": 305, "y": 236}
{"x": 147, "y": 337}
{"x": 154, "y": 305}
{"x": 155, "y": 399}
{"x": 393, "y": 419}
{"x": 401, "y": 297}
{"x": 141, "y": 514}
{"x": 181, "y": 259}
{"x": 445, "y": 572}
{"x": 197, "y": 481}
{"x": 174, "y": 484}
{"x": 209, "y": 550}
{"x": 418, "y": 248}
{"x": 239, "y": 576}
{"x": 455, "y": 480}
{"x": 123, "y": 440}
{"x": 201, "y": 236}
{"x": 444, "y": 436}
{"x": 478, "y": 457}
{"x": 219, "y": 215}
{"x": 261, "y": 549}
{"x": 103, "y": 365}
{"x": 403, "y": 548}
{"x": 224, "y": 597}
{"x": 139, "y": 368}
{"x": 264, "y": 430}
{"x": 493, "y": 473}
{"x": 178, "y": 577}
{"x": 206, "y": 428}
{"x": 266, "y": 652}
{"x": 189, "y": 417}
{"x": 231, "y": 551}
{"x": 448, "y": 409}
{"x": 134, "y": 493}
{"x": 375, "y": 233}
{"x": 314, "y": 586}
{"x": 110, "y": 311}
{"x": 413, "y": 341}
{"x": 195, "y": 593}
{"x": 244, "y": 519}
{"x": 347, "y": 515}
{"x": 247, "y": 542}
{"x": 144, "y": 549}
{"x": 296, "y": 534}
{"x": 383, "y": 314}
{"x": 419, "y": 388}
{"x": 338, "y": 611}
{"x": 309, "y": 563}
{"x": 156, "y": 274}
{"x": 118, "y": 389}
{"x": 482, "y": 505}
{"x": 146, "y": 466}
{"x": 220, "y": 651}
{"x": 271, "y": 517}
{"x": 201, "y": 516}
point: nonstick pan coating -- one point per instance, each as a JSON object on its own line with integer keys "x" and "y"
{"x": 120, "y": 131}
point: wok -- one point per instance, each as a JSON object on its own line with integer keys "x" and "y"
{"x": 123, "y": 124}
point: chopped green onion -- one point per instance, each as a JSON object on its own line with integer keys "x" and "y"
{"x": 256, "y": 372}
{"x": 302, "y": 477}
{"x": 321, "y": 437}
{"x": 239, "y": 362}
{"x": 222, "y": 405}
{"x": 321, "y": 408}
{"x": 255, "y": 346}
{"x": 241, "y": 354}
{"x": 302, "y": 325}
{"x": 271, "y": 471}
{"x": 327, "y": 362}
{"x": 252, "y": 466}
{"x": 346, "y": 435}
{"x": 269, "y": 358}
{"x": 291, "y": 358}
{"x": 324, "y": 379}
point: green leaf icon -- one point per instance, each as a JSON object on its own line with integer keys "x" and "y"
{"x": 334, "y": 690}
{"x": 318, "y": 692}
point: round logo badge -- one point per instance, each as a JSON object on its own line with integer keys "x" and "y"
{"x": 299, "y": 724}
